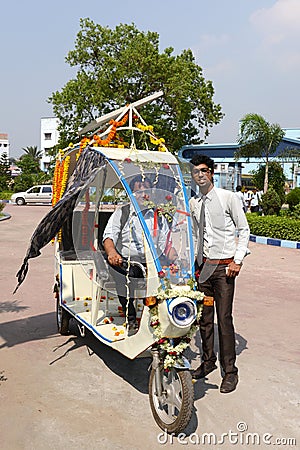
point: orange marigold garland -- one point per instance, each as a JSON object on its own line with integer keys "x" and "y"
{"x": 98, "y": 142}
{"x": 60, "y": 179}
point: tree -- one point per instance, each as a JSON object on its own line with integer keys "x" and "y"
{"x": 119, "y": 66}
{"x": 33, "y": 152}
{"x": 258, "y": 139}
{"x": 276, "y": 178}
{"x": 29, "y": 164}
{"x": 5, "y": 174}
{"x": 293, "y": 198}
{"x": 271, "y": 203}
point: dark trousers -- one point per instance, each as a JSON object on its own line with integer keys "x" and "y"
{"x": 127, "y": 281}
{"x": 213, "y": 282}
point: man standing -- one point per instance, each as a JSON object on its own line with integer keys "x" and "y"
{"x": 241, "y": 198}
{"x": 217, "y": 216}
{"x": 254, "y": 201}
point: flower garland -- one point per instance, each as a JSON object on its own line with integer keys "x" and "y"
{"x": 158, "y": 142}
{"x": 60, "y": 179}
{"x": 163, "y": 209}
{"x": 175, "y": 350}
{"x": 98, "y": 142}
{"x": 83, "y": 143}
{"x": 57, "y": 177}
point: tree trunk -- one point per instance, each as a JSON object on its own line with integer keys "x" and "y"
{"x": 266, "y": 181}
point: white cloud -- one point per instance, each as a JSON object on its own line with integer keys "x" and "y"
{"x": 280, "y": 31}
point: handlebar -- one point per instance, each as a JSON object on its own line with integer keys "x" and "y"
{"x": 126, "y": 264}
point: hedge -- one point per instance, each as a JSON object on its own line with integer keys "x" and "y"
{"x": 274, "y": 227}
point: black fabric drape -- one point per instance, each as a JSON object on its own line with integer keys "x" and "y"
{"x": 86, "y": 169}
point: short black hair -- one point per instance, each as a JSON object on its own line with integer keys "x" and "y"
{"x": 238, "y": 188}
{"x": 139, "y": 179}
{"x": 202, "y": 159}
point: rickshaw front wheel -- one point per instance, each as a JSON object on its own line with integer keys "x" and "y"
{"x": 172, "y": 410}
{"x": 62, "y": 319}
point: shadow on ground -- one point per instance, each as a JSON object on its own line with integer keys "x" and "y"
{"x": 135, "y": 372}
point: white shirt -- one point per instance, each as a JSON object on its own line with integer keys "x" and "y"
{"x": 223, "y": 217}
{"x": 132, "y": 236}
{"x": 241, "y": 198}
{"x": 255, "y": 197}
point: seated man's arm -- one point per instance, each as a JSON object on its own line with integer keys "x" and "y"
{"x": 110, "y": 237}
{"x": 112, "y": 255}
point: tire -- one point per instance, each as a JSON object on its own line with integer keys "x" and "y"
{"x": 20, "y": 201}
{"x": 174, "y": 414}
{"x": 62, "y": 319}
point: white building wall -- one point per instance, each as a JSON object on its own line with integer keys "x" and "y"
{"x": 49, "y": 138}
{"x": 4, "y": 144}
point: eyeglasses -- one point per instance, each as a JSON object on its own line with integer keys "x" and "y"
{"x": 202, "y": 170}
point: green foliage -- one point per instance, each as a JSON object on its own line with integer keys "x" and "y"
{"x": 2, "y": 206}
{"x": 28, "y": 164}
{"x": 276, "y": 178}
{"x": 295, "y": 213}
{"x": 258, "y": 139}
{"x": 122, "y": 65}
{"x": 23, "y": 182}
{"x": 5, "y": 175}
{"x": 293, "y": 198}
{"x": 33, "y": 152}
{"x": 270, "y": 202}
{"x": 274, "y": 227}
{"x": 27, "y": 180}
{"x": 5, "y": 195}
{"x": 289, "y": 154}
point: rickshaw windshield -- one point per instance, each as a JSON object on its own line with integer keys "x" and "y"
{"x": 142, "y": 207}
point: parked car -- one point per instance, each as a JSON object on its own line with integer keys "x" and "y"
{"x": 36, "y": 194}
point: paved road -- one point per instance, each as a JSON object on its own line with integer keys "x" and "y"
{"x": 66, "y": 393}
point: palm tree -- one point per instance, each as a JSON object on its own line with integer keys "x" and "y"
{"x": 33, "y": 152}
{"x": 258, "y": 139}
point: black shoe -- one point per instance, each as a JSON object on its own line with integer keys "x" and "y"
{"x": 229, "y": 383}
{"x": 204, "y": 369}
{"x": 132, "y": 327}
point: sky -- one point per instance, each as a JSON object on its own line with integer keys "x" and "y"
{"x": 249, "y": 49}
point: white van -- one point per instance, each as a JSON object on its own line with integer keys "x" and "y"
{"x": 36, "y": 194}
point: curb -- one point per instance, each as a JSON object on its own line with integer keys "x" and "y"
{"x": 5, "y": 216}
{"x": 275, "y": 242}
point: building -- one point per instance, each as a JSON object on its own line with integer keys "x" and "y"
{"x": 228, "y": 171}
{"x": 49, "y": 138}
{"x": 4, "y": 144}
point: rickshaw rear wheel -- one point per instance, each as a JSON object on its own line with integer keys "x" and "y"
{"x": 173, "y": 410}
{"x": 62, "y": 319}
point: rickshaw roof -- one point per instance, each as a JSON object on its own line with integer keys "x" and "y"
{"x": 119, "y": 154}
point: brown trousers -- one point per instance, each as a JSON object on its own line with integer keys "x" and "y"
{"x": 213, "y": 282}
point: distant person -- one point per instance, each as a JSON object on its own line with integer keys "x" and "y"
{"x": 247, "y": 197}
{"x": 255, "y": 201}
{"x": 241, "y": 198}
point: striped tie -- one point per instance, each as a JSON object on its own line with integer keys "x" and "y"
{"x": 201, "y": 232}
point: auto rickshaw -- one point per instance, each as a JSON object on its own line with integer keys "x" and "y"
{"x": 92, "y": 181}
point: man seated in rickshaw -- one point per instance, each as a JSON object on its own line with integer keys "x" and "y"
{"x": 123, "y": 242}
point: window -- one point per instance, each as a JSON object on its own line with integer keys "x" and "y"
{"x": 34, "y": 190}
{"x": 47, "y": 189}
{"x": 47, "y": 136}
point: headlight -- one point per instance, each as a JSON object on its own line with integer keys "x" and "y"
{"x": 182, "y": 311}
